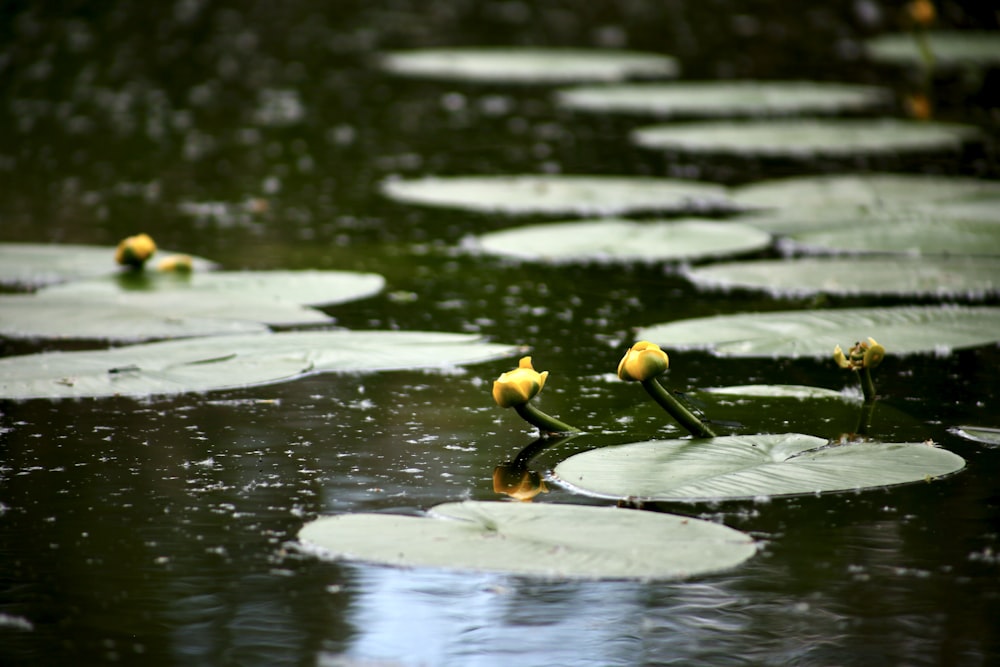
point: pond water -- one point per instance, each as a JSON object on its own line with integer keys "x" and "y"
{"x": 162, "y": 530}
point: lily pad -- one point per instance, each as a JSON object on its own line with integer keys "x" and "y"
{"x": 537, "y": 540}
{"x": 614, "y": 240}
{"x": 923, "y": 276}
{"x": 793, "y": 391}
{"x": 528, "y": 65}
{"x": 715, "y": 98}
{"x": 878, "y": 190}
{"x": 983, "y": 434}
{"x": 38, "y": 264}
{"x": 950, "y": 48}
{"x": 806, "y": 138}
{"x": 915, "y": 237}
{"x": 750, "y": 466}
{"x": 815, "y": 333}
{"x": 227, "y": 362}
{"x": 139, "y": 307}
{"x": 559, "y": 194}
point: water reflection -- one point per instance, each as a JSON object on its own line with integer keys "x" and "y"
{"x": 516, "y": 480}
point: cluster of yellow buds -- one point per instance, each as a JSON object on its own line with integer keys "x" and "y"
{"x": 867, "y": 354}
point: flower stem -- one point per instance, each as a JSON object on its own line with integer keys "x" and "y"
{"x": 867, "y": 385}
{"x": 545, "y": 423}
{"x": 677, "y": 409}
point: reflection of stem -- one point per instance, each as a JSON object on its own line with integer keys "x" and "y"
{"x": 867, "y": 386}
{"x": 537, "y": 446}
{"x": 545, "y": 423}
{"x": 676, "y": 409}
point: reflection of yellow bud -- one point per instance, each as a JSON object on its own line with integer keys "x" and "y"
{"x": 135, "y": 250}
{"x": 518, "y": 482}
{"x": 874, "y": 354}
{"x": 840, "y": 358}
{"x": 921, "y": 12}
{"x": 176, "y": 263}
{"x": 518, "y": 386}
{"x": 642, "y": 362}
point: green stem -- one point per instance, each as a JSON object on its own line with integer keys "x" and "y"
{"x": 545, "y": 423}
{"x": 865, "y": 418}
{"x": 676, "y": 409}
{"x": 867, "y": 385}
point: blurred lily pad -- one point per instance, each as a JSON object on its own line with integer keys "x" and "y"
{"x": 882, "y": 275}
{"x": 794, "y": 391}
{"x": 227, "y": 362}
{"x": 815, "y": 333}
{"x": 38, "y": 264}
{"x": 528, "y": 65}
{"x": 950, "y": 48}
{"x": 914, "y": 237}
{"x": 615, "y": 240}
{"x": 806, "y": 138}
{"x": 559, "y": 194}
{"x": 162, "y": 305}
{"x": 983, "y": 434}
{"x": 844, "y": 191}
{"x": 749, "y": 466}
{"x": 716, "y": 98}
{"x": 541, "y": 540}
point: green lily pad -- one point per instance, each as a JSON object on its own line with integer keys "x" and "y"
{"x": 983, "y": 434}
{"x": 806, "y": 138}
{"x": 227, "y": 362}
{"x": 528, "y": 65}
{"x": 913, "y": 237}
{"x": 794, "y": 391}
{"x": 716, "y": 98}
{"x": 614, "y": 240}
{"x": 950, "y": 48}
{"x": 842, "y": 191}
{"x": 558, "y": 194}
{"x": 37, "y": 264}
{"x": 159, "y": 305}
{"x": 908, "y": 276}
{"x": 815, "y": 333}
{"x": 537, "y": 540}
{"x": 750, "y": 466}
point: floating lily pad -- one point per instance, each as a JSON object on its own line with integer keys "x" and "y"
{"x": 539, "y": 540}
{"x": 37, "y": 264}
{"x": 794, "y": 391}
{"x": 842, "y": 191}
{"x": 749, "y": 466}
{"x": 882, "y": 275}
{"x": 559, "y": 194}
{"x": 950, "y": 47}
{"x": 715, "y": 98}
{"x": 814, "y": 333}
{"x": 528, "y": 65}
{"x": 915, "y": 237}
{"x": 153, "y": 305}
{"x": 227, "y": 362}
{"x": 983, "y": 434}
{"x": 614, "y": 240}
{"x": 806, "y": 138}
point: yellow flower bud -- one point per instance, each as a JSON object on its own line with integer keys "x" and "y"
{"x": 642, "y": 362}
{"x": 874, "y": 354}
{"x": 922, "y": 12}
{"x": 135, "y": 250}
{"x": 176, "y": 263}
{"x": 518, "y": 386}
{"x": 841, "y": 358}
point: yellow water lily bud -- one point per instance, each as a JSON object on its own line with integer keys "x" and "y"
{"x": 874, "y": 354}
{"x": 518, "y": 482}
{"x": 176, "y": 263}
{"x": 841, "y": 358}
{"x": 518, "y": 386}
{"x": 922, "y": 12}
{"x": 135, "y": 250}
{"x": 642, "y": 362}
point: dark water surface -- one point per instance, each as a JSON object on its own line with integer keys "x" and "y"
{"x": 161, "y": 531}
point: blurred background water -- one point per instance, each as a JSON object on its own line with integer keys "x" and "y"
{"x": 161, "y": 531}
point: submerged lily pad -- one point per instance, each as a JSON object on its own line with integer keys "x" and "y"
{"x": 614, "y": 240}
{"x": 716, "y": 98}
{"x": 528, "y": 65}
{"x": 880, "y": 190}
{"x": 227, "y": 362}
{"x": 950, "y": 48}
{"x": 814, "y": 333}
{"x": 882, "y": 275}
{"x": 539, "y": 540}
{"x": 559, "y": 194}
{"x": 38, "y": 264}
{"x": 806, "y": 138}
{"x": 749, "y": 466}
{"x": 139, "y": 307}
